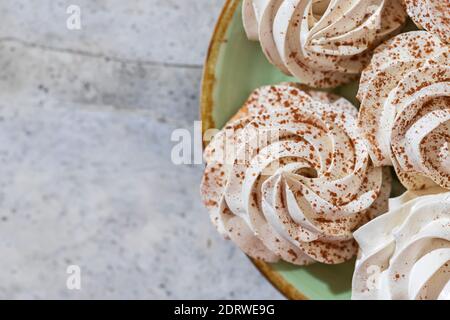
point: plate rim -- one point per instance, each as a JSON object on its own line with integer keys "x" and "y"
{"x": 206, "y": 107}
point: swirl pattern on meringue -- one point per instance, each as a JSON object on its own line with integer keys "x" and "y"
{"x": 289, "y": 178}
{"x": 405, "y": 253}
{"x": 405, "y": 109}
{"x": 433, "y": 16}
{"x": 323, "y": 43}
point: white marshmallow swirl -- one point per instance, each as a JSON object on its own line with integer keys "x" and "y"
{"x": 405, "y": 109}
{"x": 323, "y": 43}
{"x": 290, "y": 178}
{"x": 405, "y": 253}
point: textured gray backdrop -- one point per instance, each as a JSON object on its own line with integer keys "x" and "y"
{"x": 85, "y": 171}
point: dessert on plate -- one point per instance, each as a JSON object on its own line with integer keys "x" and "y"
{"x": 323, "y": 43}
{"x": 431, "y": 15}
{"x": 289, "y": 178}
{"x": 405, "y": 109}
{"x": 405, "y": 253}
{"x": 302, "y": 176}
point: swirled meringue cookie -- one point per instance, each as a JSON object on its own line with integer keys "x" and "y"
{"x": 405, "y": 254}
{"x": 289, "y": 178}
{"x": 323, "y": 43}
{"x": 431, "y": 15}
{"x": 405, "y": 109}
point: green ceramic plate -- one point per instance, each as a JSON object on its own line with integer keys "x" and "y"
{"x": 233, "y": 69}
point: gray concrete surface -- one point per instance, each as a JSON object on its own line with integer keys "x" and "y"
{"x": 85, "y": 172}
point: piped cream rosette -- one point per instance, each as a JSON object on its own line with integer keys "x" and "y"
{"x": 405, "y": 254}
{"x": 431, "y": 15}
{"x": 323, "y": 43}
{"x": 289, "y": 178}
{"x": 405, "y": 109}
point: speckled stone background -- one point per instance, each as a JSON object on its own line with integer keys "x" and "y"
{"x": 85, "y": 173}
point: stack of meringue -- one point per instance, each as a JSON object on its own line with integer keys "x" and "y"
{"x": 323, "y": 43}
{"x": 289, "y": 178}
{"x": 302, "y": 176}
{"x": 405, "y": 120}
